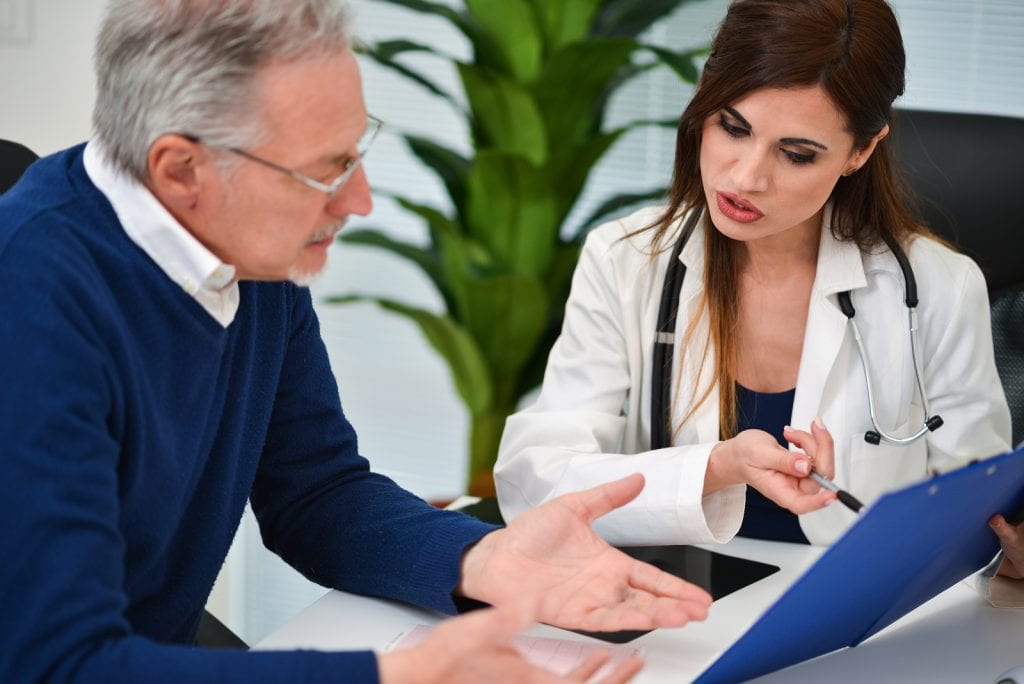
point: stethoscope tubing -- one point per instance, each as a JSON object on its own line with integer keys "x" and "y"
{"x": 664, "y": 340}
{"x": 664, "y": 344}
{"x": 916, "y": 355}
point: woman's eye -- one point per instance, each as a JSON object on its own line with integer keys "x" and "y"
{"x": 798, "y": 158}
{"x": 731, "y": 129}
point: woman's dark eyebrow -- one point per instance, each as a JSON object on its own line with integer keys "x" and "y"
{"x": 786, "y": 141}
{"x": 739, "y": 117}
{"x": 802, "y": 141}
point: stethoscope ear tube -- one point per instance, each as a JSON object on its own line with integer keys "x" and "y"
{"x": 664, "y": 343}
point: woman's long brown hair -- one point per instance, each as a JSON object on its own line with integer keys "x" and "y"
{"x": 853, "y": 50}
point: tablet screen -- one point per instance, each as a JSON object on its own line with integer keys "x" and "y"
{"x": 716, "y": 573}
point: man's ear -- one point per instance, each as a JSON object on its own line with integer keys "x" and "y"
{"x": 177, "y": 169}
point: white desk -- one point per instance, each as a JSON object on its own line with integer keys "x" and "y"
{"x": 955, "y": 637}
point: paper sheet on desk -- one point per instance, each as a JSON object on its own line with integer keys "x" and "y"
{"x": 560, "y": 656}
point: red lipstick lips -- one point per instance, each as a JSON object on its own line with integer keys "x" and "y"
{"x": 736, "y": 209}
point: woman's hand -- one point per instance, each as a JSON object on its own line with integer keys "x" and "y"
{"x": 1011, "y": 538}
{"x": 755, "y": 458}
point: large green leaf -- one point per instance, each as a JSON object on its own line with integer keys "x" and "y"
{"x": 507, "y": 315}
{"x": 570, "y": 167}
{"x": 450, "y": 166}
{"x": 557, "y": 281}
{"x": 436, "y": 220}
{"x": 458, "y": 255}
{"x": 631, "y": 17}
{"x": 455, "y": 255}
{"x": 623, "y": 75}
{"x": 369, "y": 237}
{"x": 511, "y": 27}
{"x": 457, "y": 19}
{"x": 564, "y": 21}
{"x": 386, "y": 57}
{"x": 470, "y": 371}
{"x": 389, "y": 49}
{"x": 683, "y": 63}
{"x": 505, "y": 115}
{"x": 543, "y": 74}
{"x": 426, "y": 259}
{"x": 615, "y": 204}
{"x": 512, "y": 209}
{"x": 571, "y": 97}
{"x": 463, "y": 260}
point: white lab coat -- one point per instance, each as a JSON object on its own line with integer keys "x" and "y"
{"x": 590, "y": 423}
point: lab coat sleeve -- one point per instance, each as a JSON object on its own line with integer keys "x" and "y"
{"x": 571, "y": 439}
{"x": 1005, "y": 592}
{"x": 959, "y": 366}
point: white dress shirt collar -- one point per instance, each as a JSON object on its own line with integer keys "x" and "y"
{"x": 175, "y": 250}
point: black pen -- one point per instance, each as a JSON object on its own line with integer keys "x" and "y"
{"x": 847, "y": 499}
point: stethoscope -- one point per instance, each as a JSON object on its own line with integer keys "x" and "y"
{"x": 664, "y": 344}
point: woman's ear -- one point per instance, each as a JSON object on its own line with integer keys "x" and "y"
{"x": 860, "y": 157}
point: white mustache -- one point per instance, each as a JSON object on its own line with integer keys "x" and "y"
{"x": 329, "y": 231}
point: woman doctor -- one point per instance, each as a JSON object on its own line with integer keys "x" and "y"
{"x": 784, "y": 177}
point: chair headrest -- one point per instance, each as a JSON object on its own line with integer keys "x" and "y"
{"x": 968, "y": 172}
{"x": 14, "y": 159}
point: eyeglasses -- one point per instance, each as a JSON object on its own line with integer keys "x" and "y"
{"x": 373, "y": 126}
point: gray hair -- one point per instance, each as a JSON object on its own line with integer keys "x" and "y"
{"x": 188, "y": 66}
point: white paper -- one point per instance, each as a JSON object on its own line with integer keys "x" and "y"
{"x": 560, "y": 656}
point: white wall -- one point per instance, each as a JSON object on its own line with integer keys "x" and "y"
{"x": 46, "y": 77}
{"x": 963, "y": 55}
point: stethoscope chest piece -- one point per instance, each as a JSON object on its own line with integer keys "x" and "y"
{"x": 661, "y": 371}
{"x": 930, "y": 423}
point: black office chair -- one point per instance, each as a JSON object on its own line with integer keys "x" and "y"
{"x": 968, "y": 173}
{"x": 14, "y": 160}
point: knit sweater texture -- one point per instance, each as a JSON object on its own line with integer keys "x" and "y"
{"x": 133, "y": 430}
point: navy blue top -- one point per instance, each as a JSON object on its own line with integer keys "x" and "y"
{"x": 134, "y": 429}
{"x": 768, "y": 411}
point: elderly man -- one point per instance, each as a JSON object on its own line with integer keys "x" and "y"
{"x": 162, "y": 366}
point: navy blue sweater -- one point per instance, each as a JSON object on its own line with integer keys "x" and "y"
{"x": 133, "y": 428}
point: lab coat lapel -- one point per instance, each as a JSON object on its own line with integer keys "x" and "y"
{"x": 706, "y": 419}
{"x": 840, "y": 268}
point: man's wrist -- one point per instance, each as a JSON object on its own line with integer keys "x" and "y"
{"x": 471, "y": 576}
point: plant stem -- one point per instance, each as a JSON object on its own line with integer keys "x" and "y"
{"x": 485, "y": 434}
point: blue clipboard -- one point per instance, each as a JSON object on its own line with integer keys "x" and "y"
{"x": 911, "y": 545}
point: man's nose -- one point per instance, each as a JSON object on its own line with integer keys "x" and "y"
{"x": 353, "y": 197}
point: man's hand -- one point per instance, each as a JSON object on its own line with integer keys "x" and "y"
{"x": 550, "y": 554}
{"x": 1011, "y": 538}
{"x": 475, "y": 648}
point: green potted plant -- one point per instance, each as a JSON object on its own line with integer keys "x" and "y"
{"x": 537, "y": 89}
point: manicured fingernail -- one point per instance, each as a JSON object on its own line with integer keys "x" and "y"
{"x": 787, "y": 428}
{"x": 819, "y": 422}
{"x": 803, "y": 467}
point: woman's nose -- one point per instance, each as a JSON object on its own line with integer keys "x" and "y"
{"x": 752, "y": 171}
